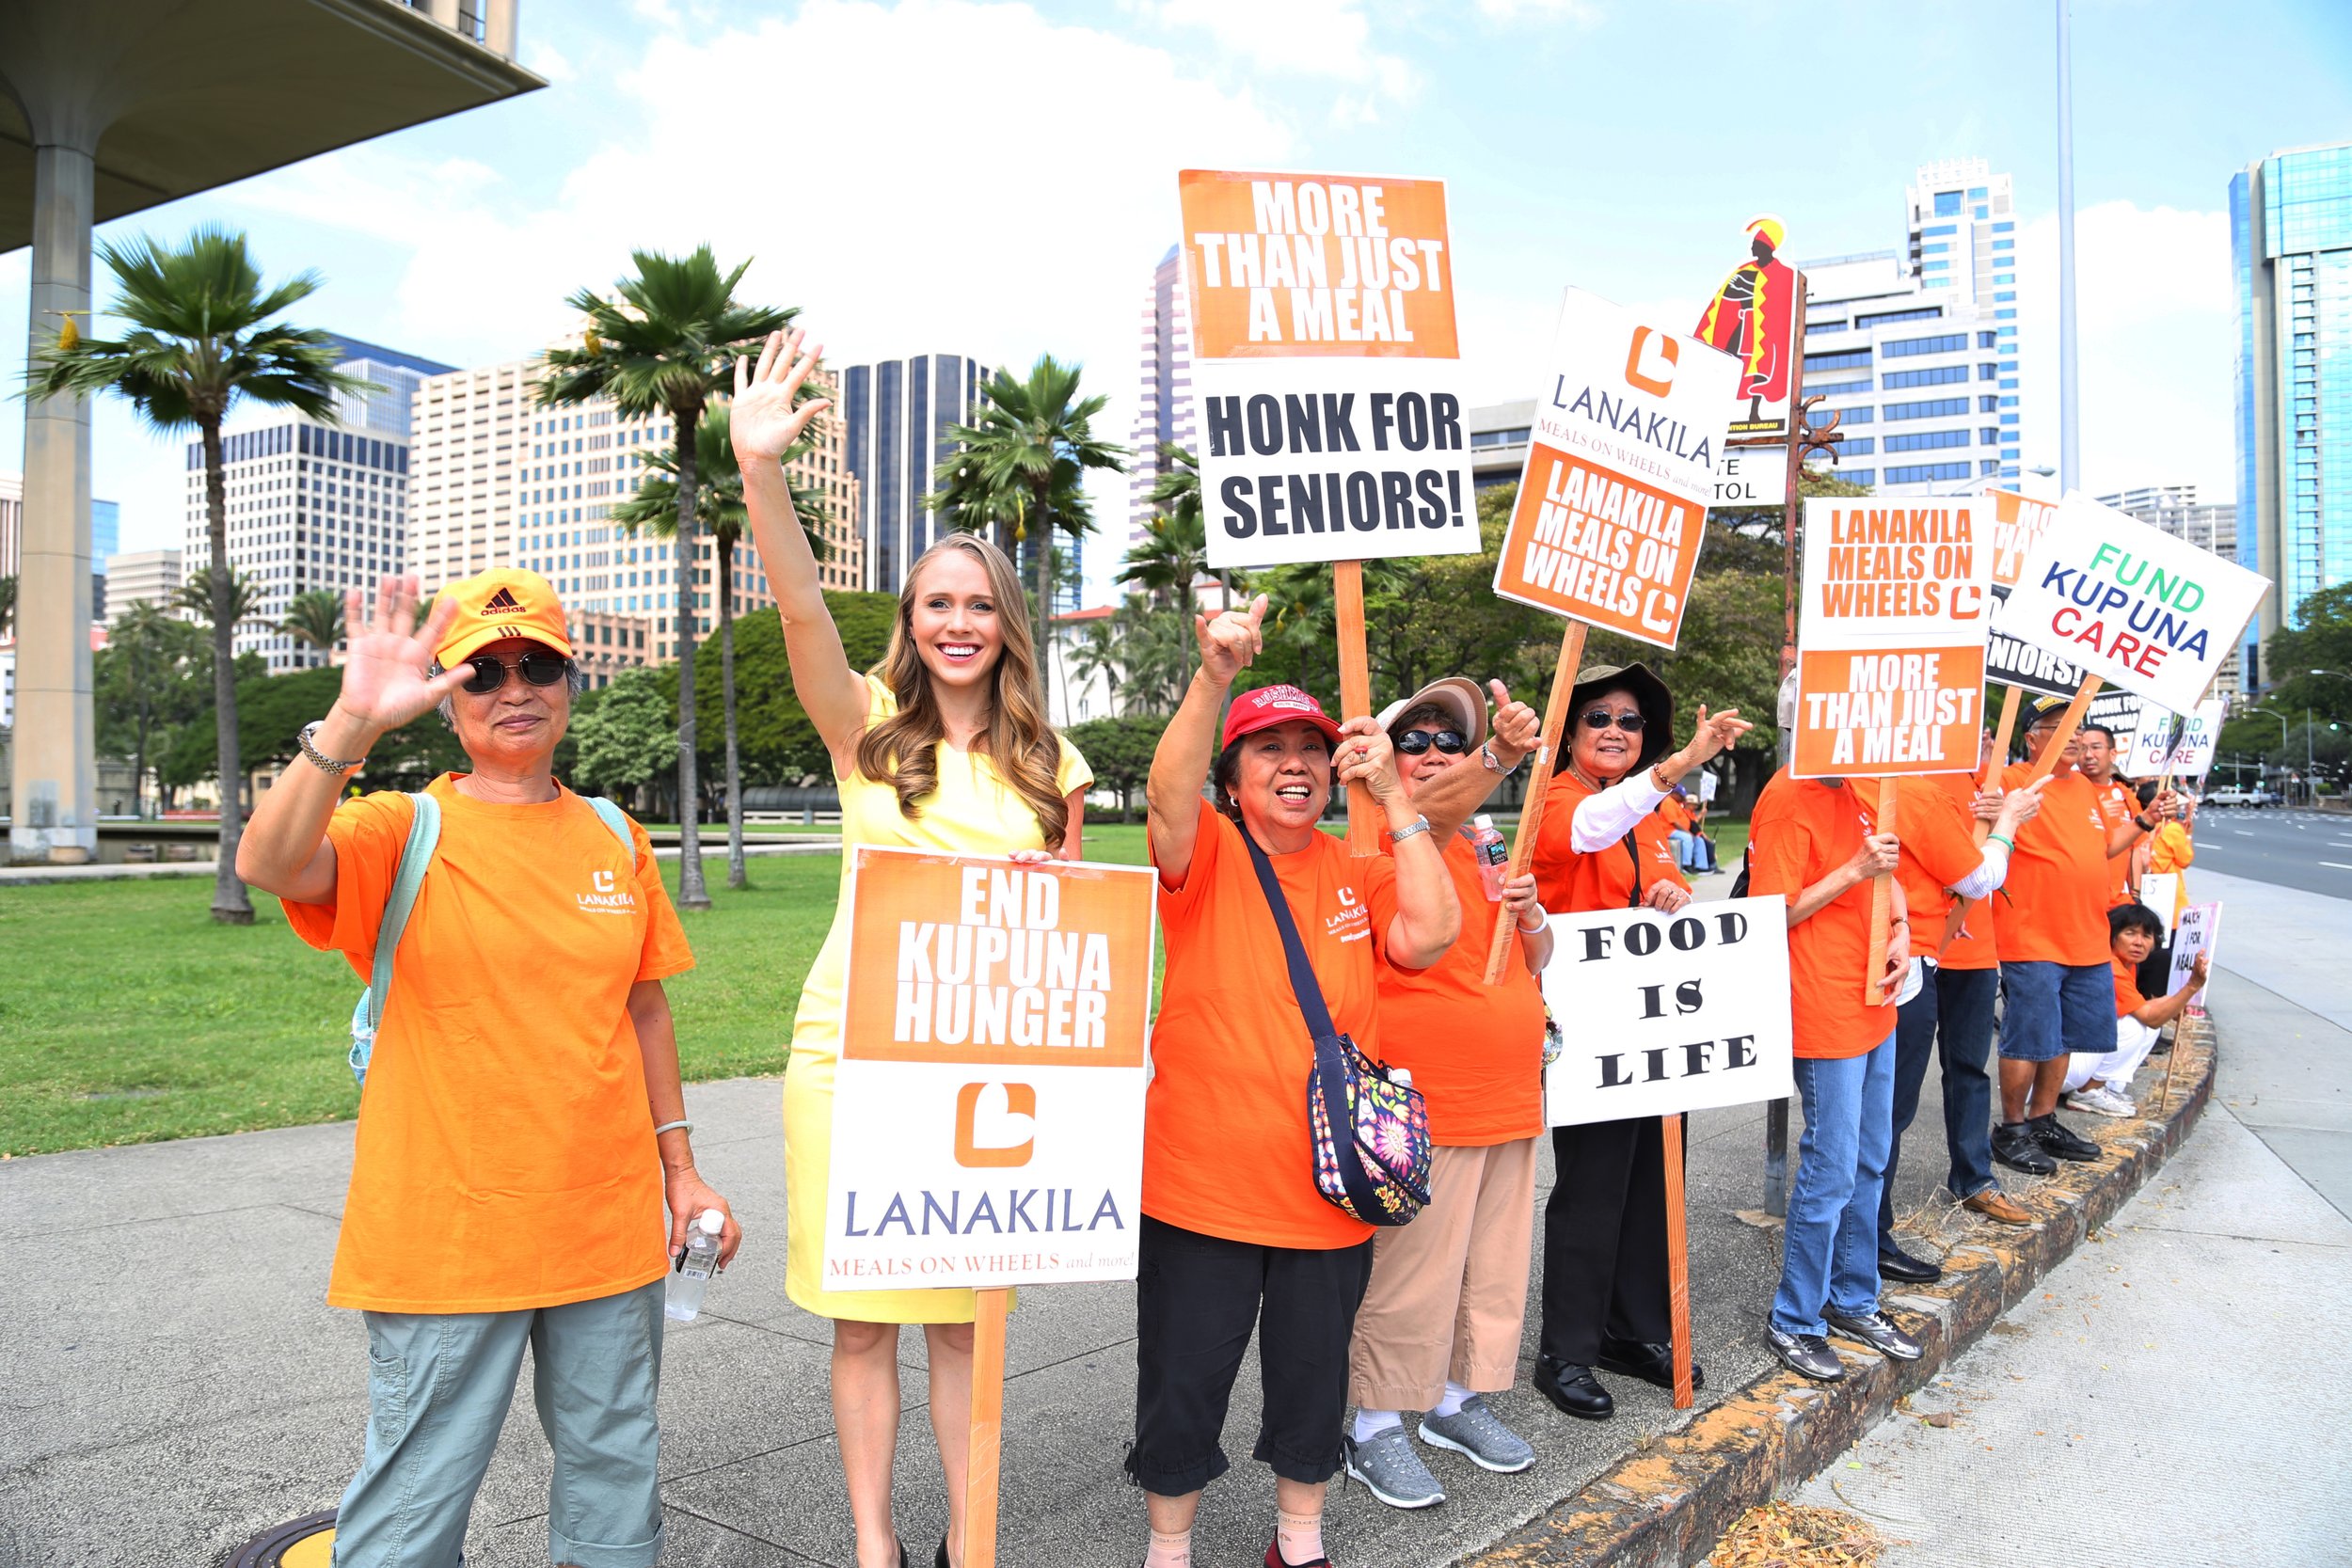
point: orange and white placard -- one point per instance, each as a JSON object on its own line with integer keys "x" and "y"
{"x": 1620, "y": 470}
{"x": 1896, "y": 600}
{"x": 1327, "y": 368}
{"x": 988, "y": 1102}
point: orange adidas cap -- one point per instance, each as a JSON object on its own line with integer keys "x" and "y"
{"x": 502, "y": 602}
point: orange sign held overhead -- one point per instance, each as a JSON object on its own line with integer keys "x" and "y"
{"x": 1317, "y": 265}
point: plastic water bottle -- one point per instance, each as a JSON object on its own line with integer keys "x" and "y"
{"x": 1494, "y": 855}
{"x": 683, "y": 1299}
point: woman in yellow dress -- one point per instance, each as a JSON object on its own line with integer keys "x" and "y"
{"x": 942, "y": 746}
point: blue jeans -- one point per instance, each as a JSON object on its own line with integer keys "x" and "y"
{"x": 1830, "y": 1256}
{"x": 439, "y": 1385}
{"x": 1951, "y": 1017}
{"x": 1686, "y": 848}
{"x": 2050, "y": 1009}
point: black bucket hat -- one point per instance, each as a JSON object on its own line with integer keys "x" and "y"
{"x": 1649, "y": 694}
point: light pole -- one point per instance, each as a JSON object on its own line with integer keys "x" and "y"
{"x": 2274, "y": 713}
{"x": 2069, "y": 466}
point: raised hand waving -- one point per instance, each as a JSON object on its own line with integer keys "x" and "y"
{"x": 385, "y": 683}
{"x": 766, "y": 420}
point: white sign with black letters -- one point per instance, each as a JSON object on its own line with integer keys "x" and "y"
{"x": 1663, "y": 1013}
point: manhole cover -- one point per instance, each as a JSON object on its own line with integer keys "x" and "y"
{"x": 304, "y": 1543}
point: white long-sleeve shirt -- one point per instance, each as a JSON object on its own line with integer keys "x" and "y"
{"x": 1604, "y": 818}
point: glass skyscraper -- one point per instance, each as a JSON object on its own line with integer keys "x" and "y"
{"x": 898, "y": 412}
{"x": 2291, "y": 251}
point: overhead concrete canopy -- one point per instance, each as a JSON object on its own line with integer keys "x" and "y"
{"x": 185, "y": 95}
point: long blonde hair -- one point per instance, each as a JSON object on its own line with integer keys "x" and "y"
{"x": 902, "y": 750}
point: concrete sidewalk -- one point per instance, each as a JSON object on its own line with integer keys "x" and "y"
{"x": 171, "y": 1382}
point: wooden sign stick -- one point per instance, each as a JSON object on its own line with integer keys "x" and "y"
{"x": 2002, "y": 734}
{"x": 1678, "y": 1261}
{"x": 988, "y": 1427}
{"x": 2068, "y": 724}
{"x": 1347, "y": 597}
{"x": 1538, "y": 786}
{"x": 1882, "y": 903}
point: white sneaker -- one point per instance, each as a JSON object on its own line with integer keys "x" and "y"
{"x": 2102, "y": 1102}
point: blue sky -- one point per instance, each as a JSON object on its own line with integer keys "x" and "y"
{"x": 999, "y": 179}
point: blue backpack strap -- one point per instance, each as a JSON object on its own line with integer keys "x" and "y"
{"x": 416, "y": 858}
{"x": 616, "y": 819}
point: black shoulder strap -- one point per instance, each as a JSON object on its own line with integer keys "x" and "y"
{"x": 1633, "y": 900}
{"x": 1303, "y": 982}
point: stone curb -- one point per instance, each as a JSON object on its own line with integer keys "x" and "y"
{"x": 1668, "y": 1503}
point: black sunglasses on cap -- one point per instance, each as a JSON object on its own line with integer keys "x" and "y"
{"x": 540, "y": 667}
{"x": 1414, "y": 742}
{"x": 1600, "y": 719}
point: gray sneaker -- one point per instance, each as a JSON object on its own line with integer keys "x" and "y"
{"x": 1391, "y": 1470}
{"x": 1475, "y": 1429}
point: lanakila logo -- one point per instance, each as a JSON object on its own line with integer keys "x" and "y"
{"x": 610, "y": 897}
{"x": 1669, "y": 353}
{"x": 1001, "y": 1134}
{"x": 1354, "y": 921}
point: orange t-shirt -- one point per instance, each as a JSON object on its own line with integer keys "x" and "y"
{"x": 1570, "y": 882}
{"x": 1476, "y": 1051}
{"x": 1800, "y": 830}
{"x": 2053, "y": 909}
{"x": 505, "y": 1154}
{"x": 2172, "y": 850}
{"x": 2119, "y": 805}
{"x": 1938, "y": 850}
{"x": 1226, "y": 1150}
{"x": 1972, "y": 948}
{"x": 1674, "y": 814}
{"x": 2127, "y": 998}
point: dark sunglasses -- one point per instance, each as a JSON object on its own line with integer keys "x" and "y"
{"x": 1414, "y": 742}
{"x": 541, "y": 667}
{"x": 1600, "y": 719}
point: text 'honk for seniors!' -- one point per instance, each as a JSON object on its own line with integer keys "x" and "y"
{"x": 1003, "y": 973}
{"x": 1326, "y": 246}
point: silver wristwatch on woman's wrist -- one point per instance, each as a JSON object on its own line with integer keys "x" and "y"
{"x": 324, "y": 763}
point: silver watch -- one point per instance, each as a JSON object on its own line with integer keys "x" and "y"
{"x": 1494, "y": 764}
{"x": 1418, "y": 825}
{"x": 325, "y": 763}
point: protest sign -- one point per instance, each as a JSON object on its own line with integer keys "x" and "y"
{"x": 2130, "y": 604}
{"x": 1325, "y": 369}
{"x": 2182, "y": 746}
{"x": 2147, "y": 751}
{"x": 1672, "y": 1013}
{"x": 2198, "y": 930}
{"x": 1613, "y": 501}
{"x": 2018, "y": 522}
{"x": 988, "y": 1105}
{"x": 2123, "y": 716}
{"x": 2160, "y": 891}
{"x": 1890, "y": 639}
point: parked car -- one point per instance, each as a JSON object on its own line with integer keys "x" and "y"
{"x": 2231, "y": 795}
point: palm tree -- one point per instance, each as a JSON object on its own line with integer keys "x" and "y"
{"x": 1165, "y": 562}
{"x": 8, "y": 603}
{"x": 1177, "y": 494}
{"x": 665, "y": 344}
{"x": 152, "y": 643}
{"x": 196, "y": 598}
{"x": 315, "y": 618}
{"x": 718, "y": 508}
{"x": 1098, "y": 653}
{"x": 1022, "y": 467}
{"x": 202, "y": 334}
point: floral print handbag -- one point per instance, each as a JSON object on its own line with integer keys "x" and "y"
{"x": 1368, "y": 1125}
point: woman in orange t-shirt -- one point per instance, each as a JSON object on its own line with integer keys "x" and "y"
{"x": 1235, "y": 1236}
{"x": 1602, "y": 845}
{"x": 1440, "y": 1326}
{"x": 519, "y": 1138}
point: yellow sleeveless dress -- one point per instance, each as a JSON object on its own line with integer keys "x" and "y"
{"x": 974, "y": 812}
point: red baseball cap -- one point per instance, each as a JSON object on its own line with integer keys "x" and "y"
{"x": 1269, "y": 705}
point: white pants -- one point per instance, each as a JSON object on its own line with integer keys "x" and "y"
{"x": 2133, "y": 1041}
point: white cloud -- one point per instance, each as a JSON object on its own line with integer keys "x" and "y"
{"x": 2156, "y": 329}
{"x": 1581, "y": 12}
{"x": 547, "y": 60}
{"x": 1316, "y": 38}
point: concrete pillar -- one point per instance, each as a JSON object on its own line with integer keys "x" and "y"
{"x": 54, "y": 806}
{"x": 444, "y": 12}
{"x": 499, "y": 28}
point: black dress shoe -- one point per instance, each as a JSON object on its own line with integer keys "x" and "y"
{"x": 2056, "y": 1138}
{"x": 1652, "y": 1363}
{"x": 1895, "y": 1263}
{"x": 941, "y": 1560}
{"x": 1573, "y": 1389}
{"x": 2014, "y": 1145}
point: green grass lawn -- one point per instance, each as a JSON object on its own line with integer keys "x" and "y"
{"x": 127, "y": 1016}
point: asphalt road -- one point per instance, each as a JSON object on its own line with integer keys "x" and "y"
{"x": 2306, "y": 849}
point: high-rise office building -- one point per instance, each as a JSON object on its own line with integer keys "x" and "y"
{"x": 1163, "y": 390}
{"x": 148, "y": 577}
{"x": 895, "y": 413}
{"x": 469, "y": 428}
{"x": 2290, "y": 249}
{"x": 313, "y": 504}
{"x": 1917, "y": 348}
{"x": 106, "y": 529}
